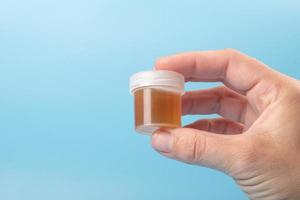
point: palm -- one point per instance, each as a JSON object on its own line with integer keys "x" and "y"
{"x": 240, "y": 102}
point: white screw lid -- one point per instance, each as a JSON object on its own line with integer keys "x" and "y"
{"x": 157, "y": 78}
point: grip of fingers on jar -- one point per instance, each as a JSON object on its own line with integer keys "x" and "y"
{"x": 157, "y": 100}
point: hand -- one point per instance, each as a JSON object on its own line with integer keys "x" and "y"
{"x": 257, "y": 138}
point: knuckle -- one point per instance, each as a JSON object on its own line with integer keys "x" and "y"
{"x": 190, "y": 148}
{"x": 232, "y": 52}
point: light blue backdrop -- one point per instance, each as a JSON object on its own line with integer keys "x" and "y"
{"x": 66, "y": 123}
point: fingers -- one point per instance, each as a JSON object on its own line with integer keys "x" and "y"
{"x": 219, "y": 126}
{"x": 237, "y": 71}
{"x": 199, "y": 147}
{"x": 219, "y": 100}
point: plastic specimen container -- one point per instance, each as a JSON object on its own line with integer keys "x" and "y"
{"x": 157, "y": 100}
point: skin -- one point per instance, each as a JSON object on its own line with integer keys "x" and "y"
{"x": 256, "y": 140}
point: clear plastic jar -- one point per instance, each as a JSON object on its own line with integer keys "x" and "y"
{"x": 157, "y": 100}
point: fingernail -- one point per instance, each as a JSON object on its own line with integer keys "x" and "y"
{"x": 162, "y": 142}
{"x": 162, "y": 61}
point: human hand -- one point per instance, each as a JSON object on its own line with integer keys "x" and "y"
{"x": 257, "y": 140}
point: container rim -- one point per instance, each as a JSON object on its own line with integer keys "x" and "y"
{"x": 157, "y": 78}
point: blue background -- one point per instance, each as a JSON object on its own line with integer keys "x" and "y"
{"x": 66, "y": 119}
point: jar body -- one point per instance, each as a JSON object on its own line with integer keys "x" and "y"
{"x": 156, "y": 108}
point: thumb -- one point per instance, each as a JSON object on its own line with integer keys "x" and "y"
{"x": 199, "y": 147}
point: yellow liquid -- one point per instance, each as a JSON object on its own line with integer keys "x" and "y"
{"x": 156, "y": 108}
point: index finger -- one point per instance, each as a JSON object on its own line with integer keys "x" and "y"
{"x": 237, "y": 71}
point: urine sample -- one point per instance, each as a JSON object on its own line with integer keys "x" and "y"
{"x": 157, "y": 100}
